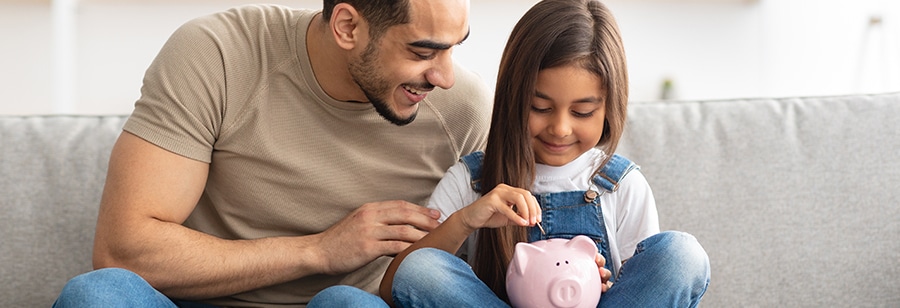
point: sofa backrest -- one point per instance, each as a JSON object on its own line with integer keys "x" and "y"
{"x": 795, "y": 200}
{"x": 52, "y": 170}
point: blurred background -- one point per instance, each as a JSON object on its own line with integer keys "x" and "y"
{"x": 89, "y": 56}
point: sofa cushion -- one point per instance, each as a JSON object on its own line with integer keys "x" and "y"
{"x": 795, "y": 200}
{"x": 53, "y": 169}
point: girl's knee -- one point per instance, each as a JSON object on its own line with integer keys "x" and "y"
{"x": 686, "y": 247}
{"x": 345, "y": 296}
{"x": 669, "y": 267}
{"x": 430, "y": 269}
{"x": 694, "y": 262}
{"x": 679, "y": 250}
{"x": 426, "y": 263}
{"x": 681, "y": 243}
{"x": 444, "y": 277}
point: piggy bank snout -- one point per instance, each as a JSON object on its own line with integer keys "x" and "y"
{"x": 565, "y": 292}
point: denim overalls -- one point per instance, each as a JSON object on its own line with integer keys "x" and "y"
{"x": 570, "y": 213}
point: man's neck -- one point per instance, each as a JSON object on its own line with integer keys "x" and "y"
{"x": 329, "y": 63}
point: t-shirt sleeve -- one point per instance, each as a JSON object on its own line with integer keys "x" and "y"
{"x": 637, "y": 218}
{"x": 182, "y": 98}
{"x": 453, "y": 192}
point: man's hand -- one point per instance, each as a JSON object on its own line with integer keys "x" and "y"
{"x": 371, "y": 231}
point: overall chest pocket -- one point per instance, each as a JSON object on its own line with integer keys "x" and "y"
{"x": 566, "y": 215}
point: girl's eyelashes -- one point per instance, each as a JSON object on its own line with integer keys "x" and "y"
{"x": 540, "y": 110}
{"x": 574, "y": 113}
{"x": 583, "y": 115}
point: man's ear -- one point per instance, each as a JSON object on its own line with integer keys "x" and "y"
{"x": 346, "y": 24}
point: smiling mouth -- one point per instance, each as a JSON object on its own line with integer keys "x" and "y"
{"x": 415, "y": 91}
{"x": 555, "y": 147}
{"x": 415, "y": 94}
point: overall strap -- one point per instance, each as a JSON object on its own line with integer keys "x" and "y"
{"x": 474, "y": 161}
{"x": 612, "y": 173}
{"x": 608, "y": 179}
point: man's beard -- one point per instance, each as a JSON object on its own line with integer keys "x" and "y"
{"x": 366, "y": 74}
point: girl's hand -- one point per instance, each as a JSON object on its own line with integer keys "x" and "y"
{"x": 501, "y": 206}
{"x": 605, "y": 274}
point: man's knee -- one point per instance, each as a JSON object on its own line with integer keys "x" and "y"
{"x": 104, "y": 286}
{"x": 104, "y": 280}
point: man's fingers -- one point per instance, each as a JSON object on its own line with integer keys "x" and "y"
{"x": 393, "y": 239}
{"x": 392, "y": 248}
{"x": 405, "y": 213}
{"x": 403, "y": 233}
{"x": 419, "y": 220}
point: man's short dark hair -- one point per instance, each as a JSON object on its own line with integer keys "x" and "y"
{"x": 380, "y": 14}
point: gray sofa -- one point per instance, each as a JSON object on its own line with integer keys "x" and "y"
{"x": 796, "y": 200}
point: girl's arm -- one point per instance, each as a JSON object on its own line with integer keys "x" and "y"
{"x": 637, "y": 216}
{"x": 499, "y": 207}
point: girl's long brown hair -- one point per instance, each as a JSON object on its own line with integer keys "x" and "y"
{"x": 553, "y": 33}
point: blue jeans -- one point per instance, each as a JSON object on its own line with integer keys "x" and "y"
{"x": 115, "y": 287}
{"x": 669, "y": 269}
{"x": 346, "y": 296}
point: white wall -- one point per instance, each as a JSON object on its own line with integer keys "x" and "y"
{"x": 708, "y": 48}
{"x": 26, "y": 67}
{"x": 721, "y": 49}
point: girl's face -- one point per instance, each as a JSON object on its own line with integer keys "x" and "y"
{"x": 567, "y": 114}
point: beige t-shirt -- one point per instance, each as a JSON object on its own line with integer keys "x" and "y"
{"x": 236, "y": 90}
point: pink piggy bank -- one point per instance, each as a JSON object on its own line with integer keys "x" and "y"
{"x": 554, "y": 273}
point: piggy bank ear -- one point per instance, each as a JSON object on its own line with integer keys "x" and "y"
{"x": 522, "y": 254}
{"x": 584, "y": 244}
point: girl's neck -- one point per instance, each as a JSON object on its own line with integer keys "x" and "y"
{"x": 572, "y": 176}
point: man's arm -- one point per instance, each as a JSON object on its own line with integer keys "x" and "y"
{"x": 150, "y": 192}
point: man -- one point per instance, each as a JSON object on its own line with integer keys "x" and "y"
{"x": 255, "y": 167}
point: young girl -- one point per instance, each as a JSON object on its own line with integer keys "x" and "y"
{"x": 549, "y": 171}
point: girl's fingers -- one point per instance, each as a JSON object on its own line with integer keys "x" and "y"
{"x": 521, "y": 207}
{"x": 514, "y": 217}
{"x": 601, "y": 261}
{"x": 528, "y": 207}
{"x": 532, "y": 210}
{"x": 537, "y": 208}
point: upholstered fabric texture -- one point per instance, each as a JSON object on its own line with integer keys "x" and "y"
{"x": 795, "y": 200}
{"x": 52, "y": 170}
